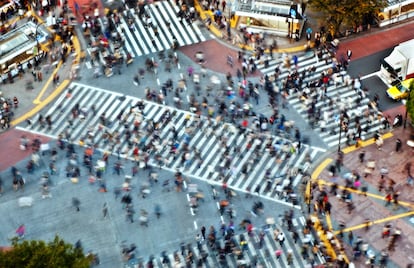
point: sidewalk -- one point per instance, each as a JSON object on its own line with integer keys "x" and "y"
{"x": 32, "y": 101}
{"x": 371, "y": 208}
{"x": 362, "y": 44}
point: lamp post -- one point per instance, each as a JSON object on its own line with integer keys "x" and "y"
{"x": 288, "y": 24}
{"x": 340, "y": 133}
{"x": 291, "y": 18}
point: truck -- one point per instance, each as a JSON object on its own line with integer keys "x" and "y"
{"x": 399, "y": 65}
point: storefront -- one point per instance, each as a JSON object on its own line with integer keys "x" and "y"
{"x": 21, "y": 44}
{"x": 280, "y": 17}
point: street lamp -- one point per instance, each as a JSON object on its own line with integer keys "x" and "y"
{"x": 410, "y": 86}
{"x": 340, "y": 133}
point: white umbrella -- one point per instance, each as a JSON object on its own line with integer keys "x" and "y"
{"x": 215, "y": 80}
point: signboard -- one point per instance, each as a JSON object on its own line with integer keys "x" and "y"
{"x": 292, "y": 13}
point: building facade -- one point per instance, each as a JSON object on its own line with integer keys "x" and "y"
{"x": 396, "y": 11}
{"x": 280, "y": 17}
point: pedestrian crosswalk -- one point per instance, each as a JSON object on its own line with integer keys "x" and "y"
{"x": 260, "y": 248}
{"x": 173, "y": 139}
{"x": 320, "y": 107}
{"x": 156, "y": 28}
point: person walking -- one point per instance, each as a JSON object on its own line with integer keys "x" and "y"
{"x": 45, "y": 191}
{"x": 361, "y": 156}
{"x": 351, "y": 237}
{"x": 203, "y": 232}
{"x": 105, "y": 210}
{"x": 278, "y": 253}
{"x": 20, "y": 231}
{"x": 76, "y": 203}
{"x": 349, "y": 54}
{"x": 289, "y": 257}
{"x": 130, "y": 214}
{"x": 281, "y": 238}
{"x": 398, "y": 145}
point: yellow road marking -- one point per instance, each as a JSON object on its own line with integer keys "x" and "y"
{"x": 366, "y": 143}
{"x": 376, "y": 196}
{"x": 204, "y": 15}
{"x": 318, "y": 170}
{"x": 329, "y": 223}
{"x": 390, "y": 218}
{"x": 42, "y": 104}
{"x": 46, "y": 86}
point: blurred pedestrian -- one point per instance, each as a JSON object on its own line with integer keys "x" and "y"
{"x": 278, "y": 253}
{"x": 361, "y": 156}
{"x": 351, "y": 237}
{"x": 281, "y": 238}
{"x": 203, "y": 232}
{"x": 20, "y": 231}
{"x": 349, "y": 54}
{"x": 45, "y": 191}
{"x": 398, "y": 145}
{"x": 157, "y": 210}
{"x": 76, "y": 203}
{"x": 105, "y": 210}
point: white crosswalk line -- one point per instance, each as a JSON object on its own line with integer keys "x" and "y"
{"x": 161, "y": 24}
{"x": 205, "y": 138}
{"x": 140, "y": 40}
{"x": 142, "y": 50}
{"x": 338, "y": 95}
{"x": 175, "y": 21}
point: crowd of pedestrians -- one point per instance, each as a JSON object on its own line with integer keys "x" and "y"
{"x": 231, "y": 101}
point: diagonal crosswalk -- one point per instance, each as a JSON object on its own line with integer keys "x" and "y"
{"x": 322, "y": 108}
{"x": 157, "y": 29}
{"x": 178, "y": 140}
{"x": 244, "y": 250}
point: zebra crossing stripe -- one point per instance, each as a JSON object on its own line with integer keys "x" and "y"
{"x": 112, "y": 104}
{"x": 169, "y": 12}
{"x": 162, "y": 33}
{"x": 161, "y": 24}
{"x": 342, "y": 92}
{"x": 139, "y": 47}
{"x": 140, "y": 29}
{"x": 172, "y": 24}
{"x": 127, "y": 44}
{"x": 188, "y": 27}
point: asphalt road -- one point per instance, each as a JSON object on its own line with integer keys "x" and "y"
{"x": 369, "y": 64}
{"x": 177, "y": 224}
{"x": 366, "y": 66}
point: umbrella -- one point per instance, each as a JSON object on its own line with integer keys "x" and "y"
{"x": 224, "y": 203}
{"x": 270, "y": 220}
{"x": 89, "y": 151}
{"x": 215, "y": 80}
{"x": 348, "y": 175}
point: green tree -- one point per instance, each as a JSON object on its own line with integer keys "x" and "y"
{"x": 33, "y": 254}
{"x": 410, "y": 102}
{"x": 348, "y": 13}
